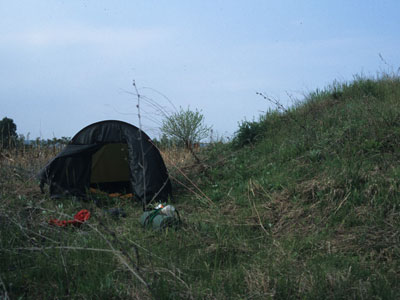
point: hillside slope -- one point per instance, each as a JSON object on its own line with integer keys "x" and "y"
{"x": 322, "y": 181}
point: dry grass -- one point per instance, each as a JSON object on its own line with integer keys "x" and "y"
{"x": 175, "y": 157}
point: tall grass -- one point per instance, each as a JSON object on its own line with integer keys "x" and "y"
{"x": 309, "y": 209}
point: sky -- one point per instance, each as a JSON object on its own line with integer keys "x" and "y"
{"x": 67, "y": 64}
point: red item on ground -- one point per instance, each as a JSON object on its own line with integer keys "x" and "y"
{"x": 79, "y": 218}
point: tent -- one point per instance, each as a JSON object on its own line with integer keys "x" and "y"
{"x": 112, "y": 156}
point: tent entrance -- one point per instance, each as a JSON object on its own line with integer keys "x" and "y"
{"x": 110, "y": 169}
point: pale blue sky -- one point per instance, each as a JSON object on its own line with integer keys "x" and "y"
{"x": 67, "y": 64}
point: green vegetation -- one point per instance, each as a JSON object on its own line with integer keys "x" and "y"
{"x": 304, "y": 203}
{"x": 186, "y": 127}
{"x": 8, "y": 133}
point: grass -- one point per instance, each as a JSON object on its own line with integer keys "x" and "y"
{"x": 304, "y": 203}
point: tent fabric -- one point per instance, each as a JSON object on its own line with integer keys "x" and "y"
{"x": 108, "y": 153}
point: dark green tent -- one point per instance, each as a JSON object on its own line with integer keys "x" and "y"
{"x": 112, "y": 156}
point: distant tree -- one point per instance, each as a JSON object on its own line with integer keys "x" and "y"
{"x": 8, "y": 133}
{"x": 186, "y": 127}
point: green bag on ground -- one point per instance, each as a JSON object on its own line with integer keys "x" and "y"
{"x": 160, "y": 218}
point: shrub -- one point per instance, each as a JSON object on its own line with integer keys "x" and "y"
{"x": 248, "y": 133}
{"x": 186, "y": 127}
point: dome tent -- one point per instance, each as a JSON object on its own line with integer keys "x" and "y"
{"x": 113, "y": 156}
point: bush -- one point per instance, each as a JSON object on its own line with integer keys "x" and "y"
{"x": 186, "y": 127}
{"x": 8, "y": 133}
{"x": 248, "y": 133}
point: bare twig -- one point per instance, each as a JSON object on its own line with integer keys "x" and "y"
{"x": 121, "y": 258}
{"x": 282, "y": 108}
{"x": 196, "y": 187}
{"x": 144, "y": 202}
{"x": 116, "y": 240}
{"x": 179, "y": 279}
{"x": 341, "y": 203}
{"x": 180, "y": 171}
{"x": 159, "y": 191}
{"x": 66, "y": 248}
{"x": 65, "y": 269}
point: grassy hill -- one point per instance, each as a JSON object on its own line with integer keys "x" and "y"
{"x": 303, "y": 203}
{"x": 322, "y": 182}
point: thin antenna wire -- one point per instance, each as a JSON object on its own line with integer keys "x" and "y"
{"x": 141, "y": 145}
